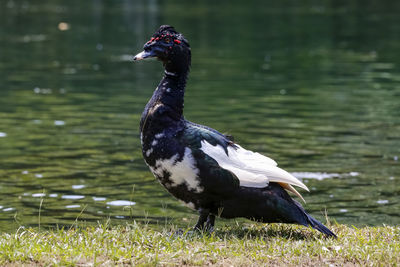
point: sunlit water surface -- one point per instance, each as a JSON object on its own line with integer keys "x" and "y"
{"x": 315, "y": 87}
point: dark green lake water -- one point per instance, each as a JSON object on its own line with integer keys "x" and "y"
{"x": 315, "y": 86}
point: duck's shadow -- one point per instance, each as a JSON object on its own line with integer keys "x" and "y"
{"x": 268, "y": 234}
{"x": 282, "y": 232}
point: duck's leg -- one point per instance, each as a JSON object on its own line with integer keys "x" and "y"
{"x": 210, "y": 222}
{"x": 204, "y": 214}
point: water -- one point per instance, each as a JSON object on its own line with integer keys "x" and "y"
{"x": 316, "y": 87}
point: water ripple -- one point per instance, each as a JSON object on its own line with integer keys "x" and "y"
{"x": 72, "y": 206}
{"x": 78, "y": 186}
{"x": 121, "y": 203}
{"x": 72, "y": 196}
{"x": 322, "y": 175}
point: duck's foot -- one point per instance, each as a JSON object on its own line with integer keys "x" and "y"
{"x": 182, "y": 232}
{"x": 210, "y": 223}
{"x": 178, "y": 232}
{"x": 207, "y": 218}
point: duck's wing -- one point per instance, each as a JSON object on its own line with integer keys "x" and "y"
{"x": 251, "y": 168}
{"x": 214, "y": 179}
{"x": 228, "y": 163}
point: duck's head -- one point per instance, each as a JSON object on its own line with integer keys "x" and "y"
{"x": 170, "y": 47}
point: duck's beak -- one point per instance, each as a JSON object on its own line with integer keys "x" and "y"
{"x": 144, "y": 54}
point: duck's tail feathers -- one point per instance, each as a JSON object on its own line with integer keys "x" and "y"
{"x": 319, "y": 226}
{"x": 314, "y": 223}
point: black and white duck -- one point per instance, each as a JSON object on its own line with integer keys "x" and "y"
{"x": 198, "y": 165}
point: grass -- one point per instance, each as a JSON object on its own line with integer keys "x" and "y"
{"x": 240, "y": 245}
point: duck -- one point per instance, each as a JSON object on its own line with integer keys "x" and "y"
{"x": 207, "y": 170}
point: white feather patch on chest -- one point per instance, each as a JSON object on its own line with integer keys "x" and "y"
{"x": 159, "y": 135}
{"x": 252, "y": 169}
{"x": 183, "y": 171}
{"x": 149, "y": 151}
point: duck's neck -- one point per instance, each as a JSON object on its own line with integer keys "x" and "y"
{"x": 171, "y": 91}
{"x": 165, "y": 107}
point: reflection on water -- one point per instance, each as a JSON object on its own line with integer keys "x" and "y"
{"x": 121, "y": 203}
{"x": 313, "y": 86}
{"x": 323, "y": 175}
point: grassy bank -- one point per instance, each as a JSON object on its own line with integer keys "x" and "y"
{"x": 249, "y": 244}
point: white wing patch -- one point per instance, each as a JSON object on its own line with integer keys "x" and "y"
{"x": 251, "y": 168}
